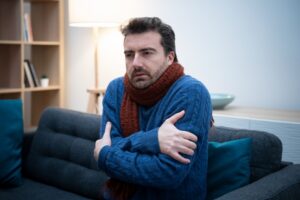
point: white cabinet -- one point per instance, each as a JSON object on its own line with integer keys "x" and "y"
{"x": 283, "y": 124}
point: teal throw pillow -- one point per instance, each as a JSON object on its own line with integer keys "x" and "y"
{"x": 11, "y": 137}
{"x": 228, "y": 166}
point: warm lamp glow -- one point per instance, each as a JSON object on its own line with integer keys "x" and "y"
{"x": 99, "y": 14}
{"x": 95, "y": 13}
{"x": 94, "y": 24}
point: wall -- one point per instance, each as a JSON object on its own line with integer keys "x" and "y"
{"x": 248, "y": 48}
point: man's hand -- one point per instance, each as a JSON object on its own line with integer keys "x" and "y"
{"x": 105, "y": 141}
{"x": 173, "y": 141}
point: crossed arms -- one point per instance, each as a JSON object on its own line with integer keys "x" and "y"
{"x": 171, "y": 140}
{"x": 160, "y": 157}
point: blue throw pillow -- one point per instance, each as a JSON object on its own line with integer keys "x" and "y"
{"x": 228, "y": 166}
{"x": 11, "y": 137}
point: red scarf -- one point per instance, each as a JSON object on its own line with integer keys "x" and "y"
{"x": 132, "y": 98}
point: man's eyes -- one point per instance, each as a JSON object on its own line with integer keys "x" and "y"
{"x": 128, "y": 55}
{"x": 143, "y": 53}
{"x": 146, "y": 53}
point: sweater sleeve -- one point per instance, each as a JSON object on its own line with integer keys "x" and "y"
{"x": 160, "y": 170}
{"x": 141, "y": 141}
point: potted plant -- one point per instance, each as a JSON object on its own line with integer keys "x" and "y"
{"x": 44, "y": 81}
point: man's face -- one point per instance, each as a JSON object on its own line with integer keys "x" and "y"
{"x": 145, "y": 58}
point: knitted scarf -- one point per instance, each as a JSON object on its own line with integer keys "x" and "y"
{"x": 132, "y": 98}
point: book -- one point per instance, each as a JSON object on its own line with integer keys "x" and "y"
{"x": 25, "y": 31}
{"x": 26, "y": 82}
{"x": 33, "y": 73}
{"x": 28, "y": 27}
{"x": 28, "y": 75}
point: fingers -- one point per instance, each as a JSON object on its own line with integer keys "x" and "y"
{"x": 186, "y": 147}
{"x": 105, "y": 141}
{"x": 189, "y": 136}
{"x": 107, "y": 130}
{"x": 96, "y": 149}
{"x": 183, "y": 144}
{"x": 186, "y": 144}
{"x": 174, "y": 118}
{"x": 180, "y": 158}
{"x": 186, "y": 151}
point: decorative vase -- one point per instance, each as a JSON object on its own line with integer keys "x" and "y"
{"x": 44, "y": 82}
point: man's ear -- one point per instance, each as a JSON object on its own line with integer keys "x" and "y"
{"x": 171, "y": 57}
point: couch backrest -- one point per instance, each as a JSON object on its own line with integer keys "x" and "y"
{"x": 62, "y": 152}
{"x": 266, "y": 148}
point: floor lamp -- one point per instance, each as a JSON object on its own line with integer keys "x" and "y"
{"x": 95, "y": 14}
{"x": 95, "y": 93}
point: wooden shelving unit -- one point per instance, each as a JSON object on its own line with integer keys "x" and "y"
{"x": 45, "y": 52}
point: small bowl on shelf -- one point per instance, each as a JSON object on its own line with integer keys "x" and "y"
{"x": 220, "y": 100}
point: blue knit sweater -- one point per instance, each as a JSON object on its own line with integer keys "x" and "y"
{"x": 137, "y": 158}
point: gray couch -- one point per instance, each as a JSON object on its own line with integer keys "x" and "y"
{"x": 58, "y": 162}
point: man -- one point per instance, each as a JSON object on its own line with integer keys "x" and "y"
{"x": 155, "y": 121}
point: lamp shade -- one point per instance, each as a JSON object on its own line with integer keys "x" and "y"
{"x": 105, "y": 13}
{"x": 95, "y": 13}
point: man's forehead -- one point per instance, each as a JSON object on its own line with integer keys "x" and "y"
{"x": 149, "y": 39}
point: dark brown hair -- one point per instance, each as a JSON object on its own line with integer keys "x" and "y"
{"x": 145, "y": 24}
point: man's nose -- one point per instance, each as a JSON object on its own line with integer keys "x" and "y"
{"x": 137, "y": 60}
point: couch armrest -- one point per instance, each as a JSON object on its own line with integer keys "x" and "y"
{"x": 285, "y": 164}
{"x": 283, "y": 184}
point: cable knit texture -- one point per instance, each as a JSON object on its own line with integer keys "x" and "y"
{"x": 145, "y": 97}
{"x": 129, "y": 116}
{"x": 136, "y": 159}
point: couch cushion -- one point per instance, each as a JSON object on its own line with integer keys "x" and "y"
{"x": 35, "y": 190}
{"x": 228, "y": 166}
{"x": 62, "y": 152}
{"x": 11, "y": 135}
{"x": 266, "y": 148}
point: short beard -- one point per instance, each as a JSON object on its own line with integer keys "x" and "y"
{"x": 153, "y": 78}
{"x": 142, "y": 84}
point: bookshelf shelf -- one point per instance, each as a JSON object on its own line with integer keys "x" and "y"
{"x": 41, "y": 0}
{"x": 44, "y": 52}
{"x": 39, "y": 89}
{"x": 42, "y": 43}
{"x": 8, "y": 91}
{"x": 10, "y": 42}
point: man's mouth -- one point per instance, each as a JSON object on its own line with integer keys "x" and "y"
{"x": 139, "y": 74}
